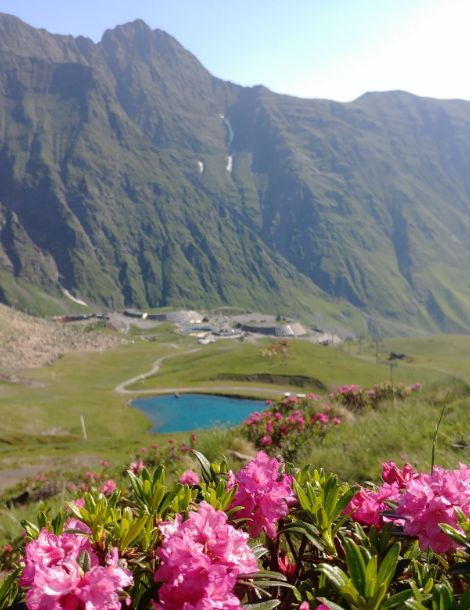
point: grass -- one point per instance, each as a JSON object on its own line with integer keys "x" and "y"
{"x": 40, "y": 422}
{"x": 47, "y": 412}
{"x": 402, "y": 432}
{"x": 231, "y": 361}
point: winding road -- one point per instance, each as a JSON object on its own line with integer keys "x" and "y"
{"x": 122, "y": 387}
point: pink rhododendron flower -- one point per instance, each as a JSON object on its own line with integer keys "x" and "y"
{"x": 264, "y": 495}
{"x": 200, "y": 559}
{"x": 99, "y": 588}
{"x": 137, "y": 466}
{"x": 266, "y": 440}
{"x": 305, "y": 606}
{"x": 55, "y": 579}
{"x": 321, "y": 418}
{"x": 367, "y": 505}
{"x": 285, "y": 566}
{"x": 392, "y": 474}
{"x": 108, "y": 487}
{"x": 189, "y": 477}
{"x": 431, "y": 499}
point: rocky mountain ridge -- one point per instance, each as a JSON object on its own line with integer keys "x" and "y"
{"x": 131, "y": 176}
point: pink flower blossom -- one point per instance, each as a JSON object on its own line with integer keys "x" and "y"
{"x": 264, "y": 495}
{"x": 392, "y": 474}
{"x": 431, "y": 499}
{"x": 321, "y": 418}
{"x": 55, "y": 579}
{"x": 108, "y": 487}
{"x": 200, "y": 559}
{"x": 336, "y": 421}
{"x": 366, "y": 506}
{"x": 137, "y": 466}
{"x": 285, "y": 566}
{"x": 266, "y": 440}
{"x": 189, "y": 477}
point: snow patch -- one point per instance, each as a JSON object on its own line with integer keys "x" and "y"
{"x": 72, "y": 298}
{"x": 200, "y": 165}
{"x": 229, "y": 164}
{"x": 230, "y": 133}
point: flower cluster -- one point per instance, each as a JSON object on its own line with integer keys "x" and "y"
{"x": 422, "y": 501}
{"x": 58, "y": 578}
{"x": 264, "y": 494}
{"x": 355, "y": 397}
{"x": 189, "y": 477}
{"x": 288, "y": 423}
{"x": 200, "y": 559}
{"x": 368, "y": 506}
{"x": 431, "y": 499}
{"x": 187, "y": 554}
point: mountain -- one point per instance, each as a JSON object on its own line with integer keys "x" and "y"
{"x": 130, "y": 176}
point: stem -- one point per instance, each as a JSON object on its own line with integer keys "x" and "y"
{"x": 434, "y": 440}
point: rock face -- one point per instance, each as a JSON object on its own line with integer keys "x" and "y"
{"x": 130, "y": 176}
{"x": 28, "y": 342}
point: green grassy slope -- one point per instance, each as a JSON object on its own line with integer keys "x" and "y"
{"x": 47, "y": 411}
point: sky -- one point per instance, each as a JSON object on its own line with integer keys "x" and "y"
{"x": 335, "y": 49}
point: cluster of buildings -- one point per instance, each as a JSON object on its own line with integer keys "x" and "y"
{"x": 211, "y": 327}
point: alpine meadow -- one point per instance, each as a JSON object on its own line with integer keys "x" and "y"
{"x": 234, "y": 324}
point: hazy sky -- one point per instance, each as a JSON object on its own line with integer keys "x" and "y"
{"x": 336, "y": 49}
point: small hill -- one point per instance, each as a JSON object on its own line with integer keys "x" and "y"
{"x": 28, "y": 342}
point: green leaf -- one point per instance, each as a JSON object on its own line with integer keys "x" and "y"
{"x": 356, "y": 566}
{"x": 331, "y": 605}
{"x": 351, "y": 594}
{"x": 334, "y": 574}
{"x": 268, "y": 605}
{"x": 265, "y": 574}
{"x": 84, "y": 561}
{"x": 389, "y": 565}
{"x": 376, "y": 601}
{"x": 258, "y": 550}
{"x": 133, "y": 532}
{"x": 397, "y": 600}
{"x": 205, "y": 466}
{"x": 371, "y": 578}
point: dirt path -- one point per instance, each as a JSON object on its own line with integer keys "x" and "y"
{"x": 122, "y": 387}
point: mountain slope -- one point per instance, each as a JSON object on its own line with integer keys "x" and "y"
{"x": 130, "y": 176}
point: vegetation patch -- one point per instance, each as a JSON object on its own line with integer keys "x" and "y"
{"x": 301, "y": 381}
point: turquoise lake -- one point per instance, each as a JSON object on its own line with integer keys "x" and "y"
{"x": 195, "y": 411}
